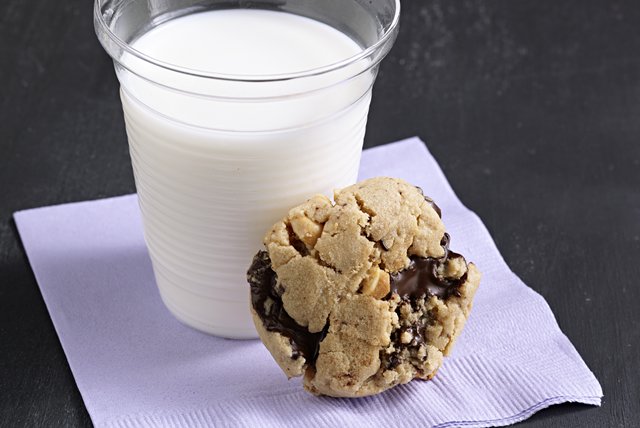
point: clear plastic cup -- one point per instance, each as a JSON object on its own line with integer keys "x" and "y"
{"x": 219, "y": 158}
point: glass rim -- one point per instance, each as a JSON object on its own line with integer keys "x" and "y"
{"x": 246, "y": 78}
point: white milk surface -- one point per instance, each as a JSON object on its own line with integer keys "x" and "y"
{"x": 217, "y": 162}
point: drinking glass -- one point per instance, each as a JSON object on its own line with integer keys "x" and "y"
{"x": 219, "y": 158}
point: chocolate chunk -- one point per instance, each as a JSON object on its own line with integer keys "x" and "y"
{"x": 267, "y": 302}
{"x": 421, "y": 278}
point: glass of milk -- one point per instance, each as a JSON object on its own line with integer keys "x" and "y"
{"x": 235, "y": 112}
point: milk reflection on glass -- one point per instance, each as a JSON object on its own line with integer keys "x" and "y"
{"x": 217, "y": 161}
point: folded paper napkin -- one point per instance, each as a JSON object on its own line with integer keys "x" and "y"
{"x": 136, "y": 366}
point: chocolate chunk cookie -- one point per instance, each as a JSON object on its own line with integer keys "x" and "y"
{"x": 361, "y": 295}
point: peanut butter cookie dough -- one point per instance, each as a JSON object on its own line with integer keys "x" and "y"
{"x": 361, "y": 295}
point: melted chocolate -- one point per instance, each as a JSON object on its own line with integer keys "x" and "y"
{"x": 296, "y": 243}
{"x": 419, "y": 281}
{"x": 416, "y": 330}
{"x": 421, "y": 277}
{"x": 267, "y": 302}
{"x": 435, "y": 207}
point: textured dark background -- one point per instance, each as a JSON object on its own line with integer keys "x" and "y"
{"x": 532, "y": 108}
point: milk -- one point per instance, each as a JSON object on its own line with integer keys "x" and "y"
{"x": 217, "y": 161}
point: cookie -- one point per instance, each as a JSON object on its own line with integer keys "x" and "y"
{"x": 363, "y": 294}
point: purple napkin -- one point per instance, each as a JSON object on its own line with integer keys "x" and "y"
{"x": 136, "y": 366}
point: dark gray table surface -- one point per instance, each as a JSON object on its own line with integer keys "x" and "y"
{"x": 532, "y": 107}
